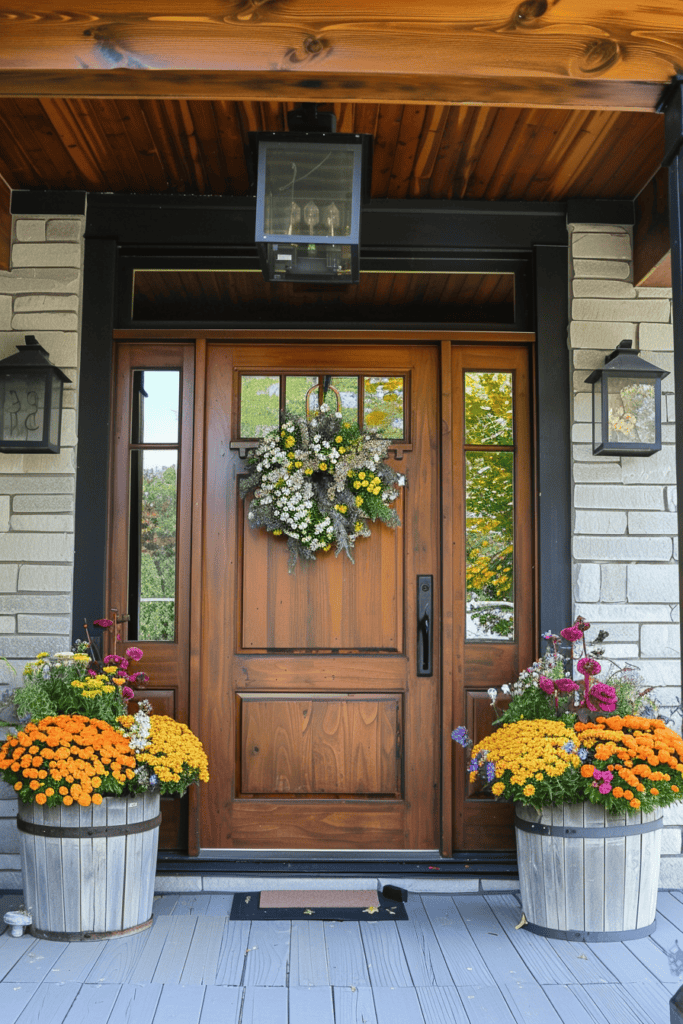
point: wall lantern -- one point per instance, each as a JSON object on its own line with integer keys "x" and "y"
{"x": 627, "y": 404}
{"x": 309, "y": 185}
{"x": 30, "y": 400}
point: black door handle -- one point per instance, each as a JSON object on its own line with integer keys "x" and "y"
{"x": 425, "y": 632}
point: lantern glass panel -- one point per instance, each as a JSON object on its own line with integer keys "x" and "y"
{"x": 55, "y": 411}
{"x": 308, "y": 190}
{"x": 598, "y": 439}
{"x": 24, "y": 406}
{"x": 631, "y": 410}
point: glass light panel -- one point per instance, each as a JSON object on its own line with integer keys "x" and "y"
{"x": 155, "y": 416}
{"x": 488, "y": 408}
{"x": 259, "y": 405}
{"x": 631, "y": 409}
{"x": 308, "y": 190}
{"x": 489, "y": 543}
{"x": 299, "y": 398}
{"x": 383, "y": 405}
{"x": 24, "y": 406}
{"x": 597, "y": 412}
{"x": 153, "y": 522}
{"x": 54, "y": 430}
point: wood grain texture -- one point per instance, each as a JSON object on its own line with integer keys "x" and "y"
{"x": 651, "y": 239}
{"x": 5, "y": 224}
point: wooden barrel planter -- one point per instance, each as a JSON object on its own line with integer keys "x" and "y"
{"x": 587, "y": 875}
{"x": 89, "y": 872}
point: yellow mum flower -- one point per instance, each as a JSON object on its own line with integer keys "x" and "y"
{"x": 359, "y": 501}
{"x": 338, "y": 439}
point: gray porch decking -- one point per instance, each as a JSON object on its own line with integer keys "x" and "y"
{"x": 457, "y": 959}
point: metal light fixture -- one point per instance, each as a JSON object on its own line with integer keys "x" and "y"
{"x": 627, "y": 404}
{"x": 31, "y": 392}
{"x": 308, "y": 197}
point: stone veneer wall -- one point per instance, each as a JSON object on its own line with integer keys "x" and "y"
{"x": 39, "y": 295}
{"x": 625, "y": 530}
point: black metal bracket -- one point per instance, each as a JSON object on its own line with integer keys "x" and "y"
{"x": 425, "y": 624}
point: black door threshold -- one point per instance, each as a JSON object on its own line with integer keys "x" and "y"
{"x": 463, "y": 865}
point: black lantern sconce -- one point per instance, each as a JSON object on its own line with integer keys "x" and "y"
{"x": 309, "y": 185}
{"x": 627, "y": 404}
{"x": 31, "y": 392}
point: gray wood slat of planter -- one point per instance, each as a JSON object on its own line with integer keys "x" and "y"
{"x": 528, "y": 1002}
{"x": 268, "y": 956}
{"x": 13, "y": 999}
{"x": 622, "y": 962}
{"x": 615, "y": 876}
{"x": 219, "y": 905}
{"x": 118, "y": 959}
{"x": 311, "y": 1005}
{"x": 574, "y": 868}
{"x": 345, "y": 954}
{"x": 491, "y": 940}
{"x": 164, "y": 905}
{"x": 308, "y": 957}
{"x": 439, "y": 1004}
{"x": 651, "y": 848}
{"x": 72, "y": 894}
{"x": 116, "y": 866}
{"x": 537, "y": 953}
{"x": 593, "y": 895}
{"x": 422, "y": 951}
{"x": 93, "y": 1003}
{"x": 36, "y": 963}
{"x": 233, "y": 953}
{"x": 135, "y": 1004}
{"x": 485, "y": 1004}
{"x": 49, "y": 1004}
{"x": 76, "y": 961}
{"x": 221, "y": 1005}
{"x": 654, "y": 958}
{"x": 573, "y": 1006}
{"x": 56, "y": 889}
{"x": 387, "y": 964}
{"x": 170, "y": 966}
{"x": 353, "y": 1005}
{"x": 202, "y": 959}
{"x": 99, "y": 866}
{"x": 134, "y": 856}
{"x": 459, "y": 950}
{"x": 179, "y": 1004}
{"x": 397, "y": 1006}
{"x": 148, "y": 858}
{"x": 264, "y": 1005}
{"x": 150, "y": 954}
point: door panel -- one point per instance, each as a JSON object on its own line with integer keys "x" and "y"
{"x": 322, "y": 735}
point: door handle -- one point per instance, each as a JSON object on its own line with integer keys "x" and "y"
{"x": 425, "y": 630}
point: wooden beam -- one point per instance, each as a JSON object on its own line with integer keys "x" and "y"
{"x": 5, "y": 224}
{"x": 531, "y": 53}
{"x": 651, "y": 240}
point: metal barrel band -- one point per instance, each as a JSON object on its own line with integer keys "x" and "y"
{"x": 577, "y": 936}
{"x": 94, "y": 936}
{"x": 572, "y": 832}
{"x": 87, "y": 831}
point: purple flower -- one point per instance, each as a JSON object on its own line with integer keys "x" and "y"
{"x": 545, "y": 684}
{"x": 473, "y": 766}
{"x": 571, "y": 634}
{"x": 569, "y": 746}
{"x": 566, "y": 685}
{"x": 604, "y": 694}
{"x": 490, "y": 771}
{"x": 103, "y": 623}
{"x": 589, "y": 667}
{"x": 134, "y": 653}
{"x": 127, "y": 693}
{"x": 459, "y": 735}
{"x": 582, "y": 753}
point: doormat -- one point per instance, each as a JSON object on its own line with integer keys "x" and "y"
{"x": 316, "y": 905}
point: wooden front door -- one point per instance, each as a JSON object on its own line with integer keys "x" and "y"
{"x": 321, "y": 732}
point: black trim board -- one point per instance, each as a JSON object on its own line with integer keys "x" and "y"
{"x": 54, "y": 203}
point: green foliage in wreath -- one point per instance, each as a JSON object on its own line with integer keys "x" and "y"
{"x": 319, "y": 483}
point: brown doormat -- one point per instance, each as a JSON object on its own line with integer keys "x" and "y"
{"x": 316, "y": 905}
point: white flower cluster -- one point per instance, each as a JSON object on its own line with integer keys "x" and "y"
{"x": 139, "y": 732}
{"x": 550, "y": 665}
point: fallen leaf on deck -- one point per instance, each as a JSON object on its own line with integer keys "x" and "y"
{"x": 371, "y": 910}
{"x": 522, "y": 922}
{"x": 309, "y": 911}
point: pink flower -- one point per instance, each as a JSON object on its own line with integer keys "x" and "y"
{"x": 139, "y": 679}
{"x": 605, "y": 695}
{"x": 103, "y": 623}
{"x": 545, "y": 684}
{"x": 92, "y": 673}
{"x": 134, "y": 653}
{"x": 589, "y": 667}
{"x": 127, "y": 693}
{"x": 605, "y": 788}
{"x": 566, "y": 685}
{"x": 571, "y": 633}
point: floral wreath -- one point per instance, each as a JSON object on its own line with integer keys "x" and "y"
{"x": 319, "y": 482}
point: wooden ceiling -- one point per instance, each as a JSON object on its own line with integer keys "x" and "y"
{"x": 420, "y": 151}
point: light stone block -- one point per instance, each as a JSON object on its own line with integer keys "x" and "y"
{"x": 671, "y": 498}
{"x": 579, "y": 383}
{"x": 603, "y": 289}
{"x": 59, "y": 624}
{"x": 8, "y": 578}
{"x": 665, "y": 678}
{"x": 583, "y": 334}
{"x": 43, "y": 484}
{"x": 26, "y": 647}
{"x": 587, "y": 583}
{"x": 623, "y": 632}
{"x": 178, "y": 883}
{"x": 30, "y": 280}
{"x": 45, "y": 578}
{"x": 4, "y": 513}
{"x": 43, "y": 503}
{"x": 55, "y": 254}
{"x": 588, "y": 359}
{"x": 618, "y": 270}
{"x": 584, "y": 453}
{"x": 8, "y": 624}
{"x": 653, "y": 522}
{"x": 624, "y": 549}
{"x": 604, "y": 521}
{"x": 606, "y": 496}
{"x": 581, "y": 227}
{"x": 9, "y": 833}
{"x": 636, "y": 310}
{"x": 621, "y": 652}
{"x": 45, "y": 303}
{"x": 65, "y": 462}
{"x": 500, "y": 884}
{"x": 582, "y": 432}
{"x": 65, "y": 230}
{"x": 660, "y": 641}
{"x": 45, "y": 322}
{"x": 613, "y": 582}
{"x": 583, "y": 408}
{"x": 614, "y": 245}
{"x": 43, "y": 523}
{"x": 668, "y": 433}
{"x": 607, "y": 613}
{"x": 670, "y": 401}
{"x": 39, "y": 547}
{"x": 599, "y": 472}
{"x": 69, "y": 427}
{"x": 671, "y": 873}
{"x": 29, "y": 230}
{"x": 656, "y": 337}
{"x": 652, "y": 583}
{"x": 43, "y": 604}
{"x": 6, "y": 314}
{"x": 671, "y": 841}
{"x": 62, "y": 347}
{"x": 654, "y": 292}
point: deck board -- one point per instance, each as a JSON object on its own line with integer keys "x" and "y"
{"x": 397, "y": 1006}
{"x": 311, "y": 1005}
{"x": 354, "y": 1005}
{"x": 387, "y": 964}
{"x": 265, "y": 1006}
{"x": 537, "y": 953}
{"x": 464, "y": 961}
{"x": 421, "y": 948}
{"x": 179, "y": 1004}
{"x": 268, "y": 954}
{"x": 13, "y": 998}
{"x": 308, "y": 956}
{"x": 222, "y": 1005}
{"x": 135, "y": 1004}
{"x": 93, "y": 1003}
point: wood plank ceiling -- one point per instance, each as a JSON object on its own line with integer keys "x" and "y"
{"x": 421, "y": 151}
